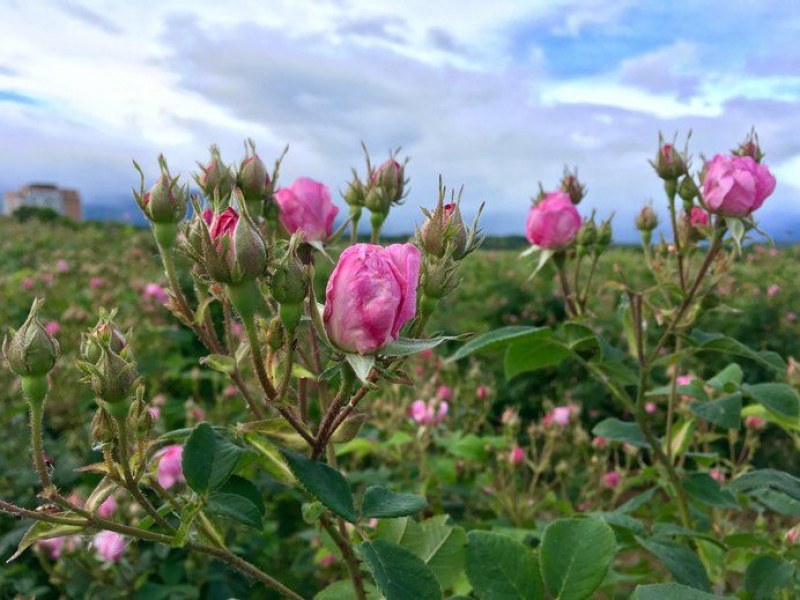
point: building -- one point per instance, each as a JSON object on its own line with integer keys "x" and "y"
{"x": 45, "y": 195}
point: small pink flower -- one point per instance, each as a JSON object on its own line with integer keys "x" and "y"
{"x": 47, "y": 277}
{"x": 444, "y": 392}
{"x": 428, "y": 413}
{"x": 755, "y": 422}
{"x": 650, "y": 408}
{"x": 554, "y": 222}
{"x": 426, "y": 354}
{"x": 62, "y": 266}
{"x": 698, "y": 217}
{"x": 109, "y": 546}
{"x": 170, "y": 469}
{"x": 52, "y": 547}
{"x": 717, "y": 475}
{"x": 236, "y": 329}
{"x": 230, "y": 391}
{"x": 791, "y": 316}
{"x": 108, "y": 507}
{"x": 599, "y": 442}
{"x": 482, "y": 392}
{"x": 96, "y": 283}
{"x": 561, "y": 415}
{"x": 517, "y": 456}
{"x": 327, "y": 560}
{"x": 773, "y": 290}
{"x": 611, "y": 479}
{"x": 52, "y": 328}
{"x": 509, "y": 416}
{"x": 197, "y": 413}
{"x": 792, "y": 535}
{"x": 684, "y": 379}
{"x": 27, "y": 284}
{"x": 155, "y": 412}
{"x": 153, "y": 291}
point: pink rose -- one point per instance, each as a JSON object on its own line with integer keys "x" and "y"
{"x": 306, "y": 206}
{"x": 430, "y": 413}
{"x": 735, "y": 186}
{"x": 62, "y": 266}
{"x": 27, "y": 283}
{"x": 108, "y": 507}
{"x": 553, "y": 223}
{"x": 771, "y": 290}
{"x": 611, "y": 479}
{"x": 517, "y": 456}
{"x": 371, "y": 294}
{"x": 650, "y": 408}
{"x": 698, "y": 217}
{"x": 482, "y": 392}
{"x": 170, "y": 470}
{"x": 444, "y": 392}
{"x": 717, "y": 475}
{"x": 52, "y": 328}
{"x": 561, "y": 415}
{"x": 109, "y": 546}
{"x": 52, "y": 547}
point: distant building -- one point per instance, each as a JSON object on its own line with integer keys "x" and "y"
{"x": 45, "y": 195}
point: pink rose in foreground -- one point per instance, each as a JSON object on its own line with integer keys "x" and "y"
{"x": 428, "y": 413}
{"x": 109, "y": 546}
{"x": 169, "y": 470}
{"x": 611, "y": 479}
{"x": 517, "y": 456}
{"x": 735, "y": 186}
{"x": 553, "y": 223}
{"x": 108, "y": 507}
{"x": 306, "y": 206}
{"x": 371, "y": 294}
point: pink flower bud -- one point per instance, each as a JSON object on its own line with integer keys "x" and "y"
{"x": 611, "y": 479}
{"x": 482, "y": 392}
{"x": 153, "y": 291}
{"x": 109, "y": 546}
{"x": 431, "y": 413}
{"x": 792, "y": 535}
{"x": 52, "y": 328}
{"x": 650, "y": 408}
{"x": 62, "y": 266}
{"x": 771, "y": 291}
{"x": 96, "y": 283}
{"x": 517, "y": 456}
{"x": 223, "y": 224}
{"x": 561, "y": 415}
{"x": 755, "y": 422}
{"x": 371, "y": 294}
{"x": 170, "y": 469}
{"x": 717, "y": 475}
{"x": 444, "y": 392}
{"x": 108, "y": 507}
{"x": 698, "y": 217}
{"x": 735, "y": 186}
{"x": 27, "y": 284}
{"x": 306, "y": 206}
{"x": 327, "y": 560}
{"x": 52, "y": 547}
{"x": 553, "y": 223}
{"x": 599, "y": 442}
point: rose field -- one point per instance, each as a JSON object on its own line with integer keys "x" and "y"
{"x": 260, "y": 395}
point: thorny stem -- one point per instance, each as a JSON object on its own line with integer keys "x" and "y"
{"x": 349, "y": 558}
{"x": 677, "y": 237}
{"x": 37, "y": 448}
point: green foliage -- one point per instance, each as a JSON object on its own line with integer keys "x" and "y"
{"x": 208, "y": 459}
{"x": 500, "y": 568}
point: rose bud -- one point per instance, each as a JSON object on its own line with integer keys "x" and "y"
{"x": 669, "y": 163}
{"x": 735, "y": 186}
{"x": 371, "y": 294}
{"x": 164, "y": 204}
{"x": 571, "y": 186}
{"x": 101, "y": 428}
{"x": 553, "y": 223}
{"x": 647, "y": 219}
{"x": 444, "y": 226}
{"x": 306, "y": 207}
{"x": 687, "y": 190}
{"x": 31, "y": 351}
{"x": 750, "y": 147}
{"x": 517, "y": 456}
{"x": 611, "y": 479}
{"x": 215, "y": 178}
{"x": 604, "y": 235}
{"x": 105, "y": 333}
{"x": 114, "y": 377}
{"x": 289, "y": 285}
{"x": 233, "y": 249}
{"x": 253, "y": 180}
{"x": 386, "y": 186}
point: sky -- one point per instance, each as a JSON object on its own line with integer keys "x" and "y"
{"x": 495, "y": 96}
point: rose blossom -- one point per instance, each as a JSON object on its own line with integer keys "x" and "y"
{"x": 773, "y": 290}
{"x": 62, "y": 266}
{"x": 428, "y": 413}
{"x": 108, "y": 507}
{"x": 553, "y": 223}
{"x": 153, "y": 291}
{"x": 109, "y": 546}
{"x": 170, "y": 470}
{"x": 611, "y": 479}
{"x": 698, "y": 217}
{"x": 371, "y": 294}
{"x": 306, "y": 206}
{"x": 650, "y": 408}
{"x": 444, "y": 392}
{"x": 52, "y": 328}
{"x": 52, "y": 547}
{"x": 735, "y": 186}
{"x": 561, "y": 415}
{"x": 717, "y": 475}
{"x": 517, "y": 456}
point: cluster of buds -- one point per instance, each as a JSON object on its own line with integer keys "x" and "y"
{"x": 109, "y": 366}
{"x": 164, "y": 204}
{"x": 31, "y": 353}
{"x": 445, "y": 240}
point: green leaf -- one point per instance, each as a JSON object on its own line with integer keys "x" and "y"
{"x": 671, "y": 591}
{"x": 41, "y": 530}
{"x": 681, "y": 437}
{"x": 440, "y": 545}
{"x": 779, "y": 398}
{"x": 575, "y": 556}
{"x": 276, "y": 429}
{"x": 716, "y": 342}
{"x": 765, "y": 575}
{"x": 727, "y": 380}
{"x": 498, "y": 338}
{"x": 382, "y": 503}
{"x": 407, "y": 347}
{"x": 269, "y": 457}
{"x": 238, "y": 499}
{"x": 702, "y": 488}
{"x": 684, "y": 565}
{"x": 343, "y": 590}
{"x": 637, "y": 501}
{"x": 219, "y": 362}
{"x": 724, "y": 412}
{"x": 780, "y": 503}
{"x": 620, "y": 431}
{"x": 208, "y": 459}
{"x": 361, "y": 365}
{"x": 398, "y": 573}
{"x": 500, "y": 568}
{"x": 531, "y": 354}
{"x": 324, "y": 483}
{"x": 737, "y": 230}
{"x": 766, "y": 479}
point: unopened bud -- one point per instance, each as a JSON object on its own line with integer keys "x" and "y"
{"x": 647, "y": 219}
{"x": 31, "y": 351}
{"x": 114, "y": 378}
{"x": 439, "y": 278}
{"x": 215, "y": 178}
{"x": 604, "y": 235}
{"x": 253, "y": 180}
{"x": 165, "y": 202}
{"x": 669, "y": 163}
{"x": 101, "y": 429}
{"x": 444, "y": 226}
{"x": 750, "y": 147}
{"x": 687, "y": 190}
{"x": 275, "y": 337}
{"x": 572, "y": 186}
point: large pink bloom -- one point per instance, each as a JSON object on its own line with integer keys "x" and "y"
{"x": 735, "y": 186}
{"x": 170, "y": 469}
{"x": 554, "y": 222}
{"x": 371, "y": 294}
{"x": 306, "y": 206}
